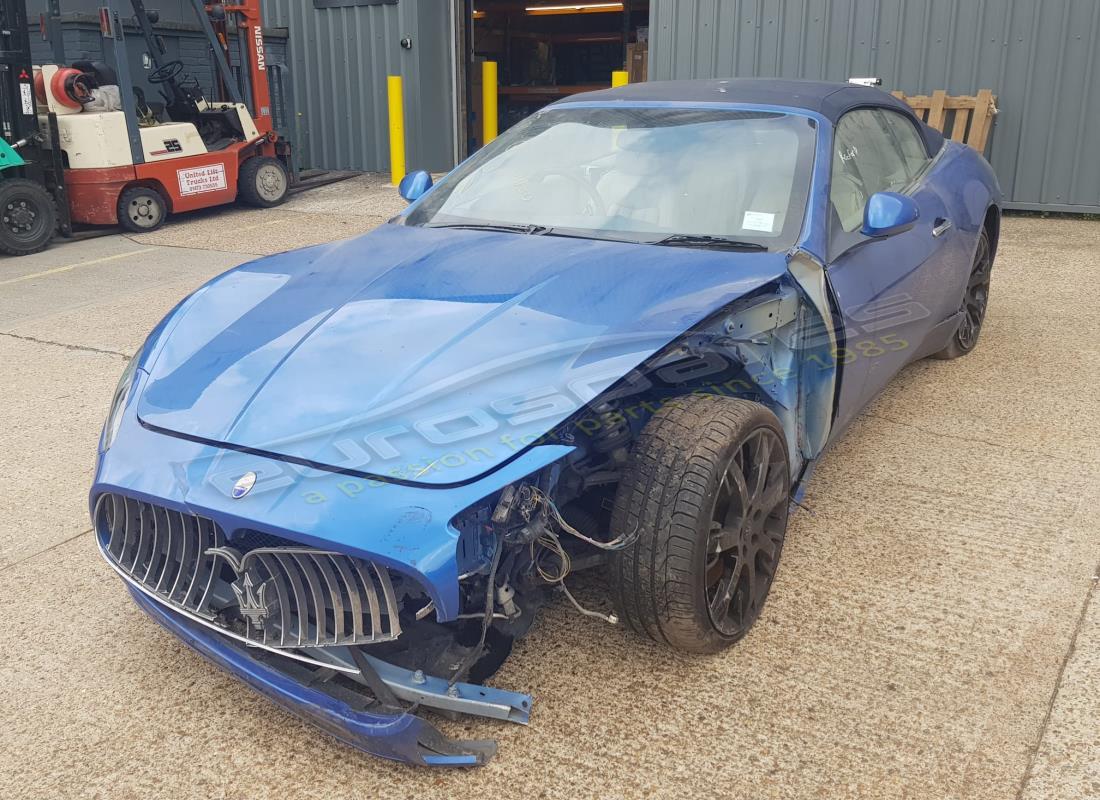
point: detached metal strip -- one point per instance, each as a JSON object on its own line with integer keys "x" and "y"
{"x": 462, "y": 698}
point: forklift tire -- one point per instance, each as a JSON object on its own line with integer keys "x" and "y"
{"x": 27, "y": 216}
{"x": 263, "y": 182}
{"x": 141, "y": 209}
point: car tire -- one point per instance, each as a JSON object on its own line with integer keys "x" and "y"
{"x": 141, "y": 209}
{"x": 263, "y": 182}
{"x": 27, "y": 217}
{"x": 974, "y": 303}
{"x": 706, "y": 493}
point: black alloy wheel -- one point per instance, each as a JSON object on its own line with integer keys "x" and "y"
{"x": 705, "y": 493}
{"x": 974, "y": 302}
{"x": 748, "y": 524}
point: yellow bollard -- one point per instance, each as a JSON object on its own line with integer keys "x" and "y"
{"x": 488, "y": 101}
{"x": 397, "y": 128}
{"x": 620, "y": 77}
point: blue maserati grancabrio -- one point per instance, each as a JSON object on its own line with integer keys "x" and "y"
{"x": 618, "y": 337}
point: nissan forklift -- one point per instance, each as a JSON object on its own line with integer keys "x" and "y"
{"x": 131, "y": 160}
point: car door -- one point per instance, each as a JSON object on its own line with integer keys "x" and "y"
{"x": 887, "y": 290}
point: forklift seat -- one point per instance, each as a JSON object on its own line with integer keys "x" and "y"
{"x": 102, "y": 74}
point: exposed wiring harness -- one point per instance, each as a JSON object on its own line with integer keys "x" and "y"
{"x": 618, "y": 543}
{"x": 550, "y": 545}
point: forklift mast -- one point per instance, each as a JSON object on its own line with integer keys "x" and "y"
{"x": 18, "y": 113}
{"x": 212, "y": 19}
{"x": 250, "y": 26}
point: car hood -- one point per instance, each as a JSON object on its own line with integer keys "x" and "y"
{"x": 428, "y": 355}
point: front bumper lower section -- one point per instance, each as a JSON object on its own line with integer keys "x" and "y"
{"x": 398, "y": 737}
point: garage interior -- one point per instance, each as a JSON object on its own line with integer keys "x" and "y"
{"x": 546, "y": 50}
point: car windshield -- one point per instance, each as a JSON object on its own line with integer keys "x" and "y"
{"x": 670, "y": 175}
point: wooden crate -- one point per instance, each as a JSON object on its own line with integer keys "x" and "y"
{"x": 970, "y": 117}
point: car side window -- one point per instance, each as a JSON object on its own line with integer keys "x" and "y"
{"x": 866, "y": 159}
{"x": 908, "y": 140}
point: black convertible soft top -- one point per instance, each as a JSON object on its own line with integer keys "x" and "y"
{"x": 831, "y": 100}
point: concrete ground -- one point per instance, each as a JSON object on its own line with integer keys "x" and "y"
{"x": 934, "y": 631}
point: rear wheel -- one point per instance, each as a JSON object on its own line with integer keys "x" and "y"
{"x": 706, "y": 489}
{"x": 141, "y": 209}
{"x": 27, "y": 216}
{"x": 263, "y": 182}
{"x": 974, "y": 302}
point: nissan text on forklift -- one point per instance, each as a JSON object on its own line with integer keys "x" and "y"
{"x": 82, "y": 144}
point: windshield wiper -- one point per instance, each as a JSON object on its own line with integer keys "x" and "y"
{"x": 532, "y": 230}
{"x": 702, "y": 240}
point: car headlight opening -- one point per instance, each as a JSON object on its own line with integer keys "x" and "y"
{"x": 118, "y": 403}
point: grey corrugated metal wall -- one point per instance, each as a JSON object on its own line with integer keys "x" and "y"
{"x": 339, "y": 60}
{"x": 1038, "y": 56}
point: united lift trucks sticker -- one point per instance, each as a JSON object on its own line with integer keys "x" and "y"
{"x": 201, "y": 179}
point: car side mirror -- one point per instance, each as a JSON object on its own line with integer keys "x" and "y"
{"x": 888, "y": 213}
{"x": 414, "y": 185}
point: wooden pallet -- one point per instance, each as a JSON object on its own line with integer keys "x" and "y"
{"x": 971, "y": 117}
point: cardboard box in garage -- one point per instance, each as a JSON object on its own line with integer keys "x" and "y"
{"x": 637, "y": 61}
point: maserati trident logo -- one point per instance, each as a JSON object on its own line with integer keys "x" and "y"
{"x": 244, "y": 485}
{"x": 252, "y": 600}
{"x": 253, "y": 603}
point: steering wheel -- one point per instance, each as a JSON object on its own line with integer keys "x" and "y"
{"x": 593, "y": 195}
{"x": 165, "y": 72}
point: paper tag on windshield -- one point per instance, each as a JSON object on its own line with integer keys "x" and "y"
{"x": 758, "y": 221}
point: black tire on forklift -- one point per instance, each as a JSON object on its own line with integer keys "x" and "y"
{"x": 263, "y": 182}
{"x": 141, "y": 209}
{"x": 27, "y": 216}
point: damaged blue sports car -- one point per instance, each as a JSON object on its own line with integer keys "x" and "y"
{"x": 617, "y": 338}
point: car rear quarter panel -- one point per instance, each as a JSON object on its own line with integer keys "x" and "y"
{"x": 968, "y": 187}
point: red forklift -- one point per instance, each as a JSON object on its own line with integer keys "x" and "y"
{"x": 130, "y": 160}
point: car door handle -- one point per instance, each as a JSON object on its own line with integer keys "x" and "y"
{"x": 942, "y": 227}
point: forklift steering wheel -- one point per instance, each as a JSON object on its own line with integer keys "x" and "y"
{"x": 165, "y": 72}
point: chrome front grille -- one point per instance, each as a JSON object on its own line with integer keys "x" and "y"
{"x": 273, "y": 596}
{"x": 163, "y": 550}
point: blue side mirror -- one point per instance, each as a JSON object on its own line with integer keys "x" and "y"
{"x": 414, "y": 185}
{"x": 888, "y": 213}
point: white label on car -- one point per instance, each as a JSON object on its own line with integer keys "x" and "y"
{"x": 201, "y": 179}
{"x": 25, "y": 95}
{"x": 758, "y": 221}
